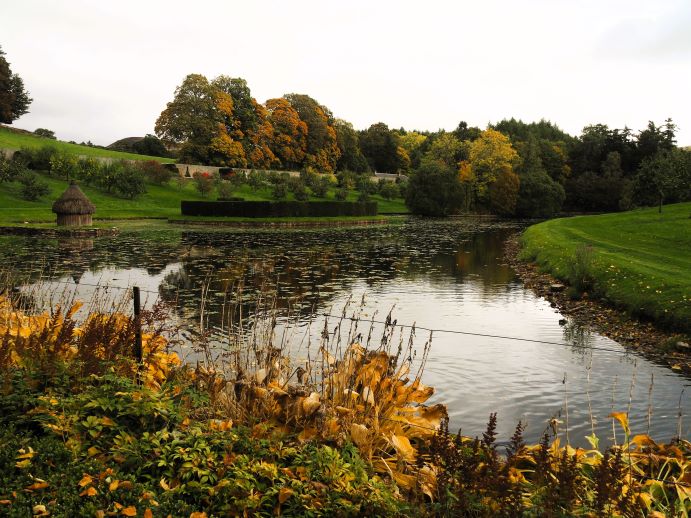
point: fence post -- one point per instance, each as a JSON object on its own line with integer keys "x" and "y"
{"x": 138, "y": 325}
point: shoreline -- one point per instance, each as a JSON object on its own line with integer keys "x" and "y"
{"x": 616, "y": 324}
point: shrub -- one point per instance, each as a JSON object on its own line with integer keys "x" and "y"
{"x": 388, "y": 190}
{"x": 341, "y": 194}
{"x": 156, "y": 172}
{"x": 204, "y": 183}
{"x": 320, "y": 187}
{"x": 33, "y": 187}
{"x": 10, "y": 170}
{"x": 279, "y": 191}
{"x": 256, "y": 180}
{"x": 122, "y": 179}
{"x": 346, "y": 179}
{"x": 580, "y": 269}
{"x": 46, "y": 133}
{"x": 38, "y": 159}
{"x": 225, "y": 190}
{"x": 63, "y": 166}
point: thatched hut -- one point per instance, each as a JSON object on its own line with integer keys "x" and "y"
{"x": 73, "y": 207}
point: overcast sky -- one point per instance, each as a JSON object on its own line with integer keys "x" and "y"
{"x": 104, "y": 70}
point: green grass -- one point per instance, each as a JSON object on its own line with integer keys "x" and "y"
{"x": 158, "y": 202}
{"x": 16, "y": 140}
{"x": 641, "y": 259}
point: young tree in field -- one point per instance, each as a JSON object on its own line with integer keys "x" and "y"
{"x": 489, "y": 156}
{"x": 14, "y": 99}
{"x": 322, "y": 147}
{"x": 289, "y": 138}
{"x": 666, "y": 176}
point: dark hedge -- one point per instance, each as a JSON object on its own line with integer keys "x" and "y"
{"x": 278, "y": 209}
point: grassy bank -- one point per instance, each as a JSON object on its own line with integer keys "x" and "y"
{"x": 158, "y": 202}
{"x": 639, "y": 260}
{"x": 13, "y": 139}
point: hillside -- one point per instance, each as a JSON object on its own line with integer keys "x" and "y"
{"x": 13, "y": 138}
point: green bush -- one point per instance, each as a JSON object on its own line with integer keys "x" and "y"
{"x": 225, "y": 190}
{"x": 580, "y": 269}
{"x": 32, "y": 187}
{"x": 341, "y": 194}
{"x": 122, "y": 179}
{"x": 10, "y": 170}
{"x": 279, "y": 191}
{"x": 388, "y": 190}
{"x": 38, "y": 159}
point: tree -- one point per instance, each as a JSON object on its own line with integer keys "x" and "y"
{"x": 666, "y": 176}
{"x": 434, "y": 190}
{"x": 489, "y": 156}
{"x": 247, "y": 122}
{"x": 322, "y": 147}
{"x": 503, "y": 193}
{"x": 289, "y": 140}
{"x": 351, "y": 158}
{"x": 192, "y": 120}
{"x": 14, "y": 99}
{"x": 46, "y": 133}
{"x": 539, "y": 196}
{"x": 447, "y": 148}
{"x": 380, "y": 147}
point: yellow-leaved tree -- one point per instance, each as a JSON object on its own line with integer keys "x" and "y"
{"x": 490, "y": 156}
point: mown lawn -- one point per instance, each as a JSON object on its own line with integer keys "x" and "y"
{"x": 158, "y": 202}
{"x": 641, "y": 259}
{"x": 15, "y": 140}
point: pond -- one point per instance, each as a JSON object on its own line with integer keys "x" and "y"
{"x": 496, "y": 347}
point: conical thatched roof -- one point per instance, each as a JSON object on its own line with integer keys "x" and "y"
{"x": 73, "y": 201}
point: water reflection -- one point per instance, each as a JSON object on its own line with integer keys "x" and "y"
{"x": 447, "y": 276}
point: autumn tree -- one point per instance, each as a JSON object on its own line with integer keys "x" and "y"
{"x": 289, "y": 138}
{"x": 490, "y": 156}
{"x": 248, "y": 123}
{"x": 446, "y": 148}
{"x": 14, "y": 99}
{"x": 322, "y": 151}
{"x": 414, "y": 144}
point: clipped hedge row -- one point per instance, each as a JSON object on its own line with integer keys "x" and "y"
{"x": 278, "y": 209}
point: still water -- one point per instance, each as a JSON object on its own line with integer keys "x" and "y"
{"x": 443, "y": 275}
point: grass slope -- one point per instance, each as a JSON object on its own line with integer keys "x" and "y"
{"x": 13, "y": 139}
{"x": 641, "y": 259}
{"x": 158, "y": 202}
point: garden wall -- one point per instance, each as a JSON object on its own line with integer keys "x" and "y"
{"x": 278, "y": 209}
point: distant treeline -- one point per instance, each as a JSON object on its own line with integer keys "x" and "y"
{"x": 511, "y": 168}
